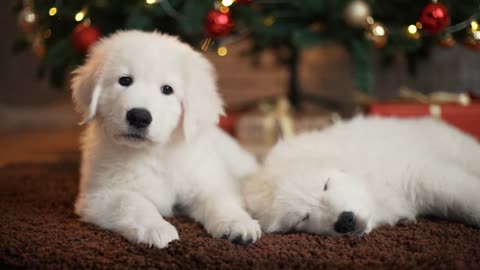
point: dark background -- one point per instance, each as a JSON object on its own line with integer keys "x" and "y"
{"x": 26, "y": 101}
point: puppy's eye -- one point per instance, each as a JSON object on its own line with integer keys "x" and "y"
{"x": 167, "y": 89}
{"x": 326, "y": 185}
{"x": 125, "y": 81}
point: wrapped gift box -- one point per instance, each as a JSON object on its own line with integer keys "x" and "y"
{"x": 259, "y": 129}
{"x": 254, "y": 136}
{"x": 254, "y": 133}
{"x": 464, "y": 117}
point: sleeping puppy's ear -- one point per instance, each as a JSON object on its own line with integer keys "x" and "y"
{"x": 202, "y": 104}
{"x": 86, "y": 86}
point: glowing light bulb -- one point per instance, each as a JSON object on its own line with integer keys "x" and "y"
{"x": 227, "y": 3}
{"x": 474, "y": 25}
{"x": 378, "y": 30}
{"x": 52, "y": 11}
{"x": 370, "y": 20}
{"x": 412, "y": 29}
{"x": 30, "y": 17}
{"x": 79, "y": 16}
{"x": 222, "y": 51}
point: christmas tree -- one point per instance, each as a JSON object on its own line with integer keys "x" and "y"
{"x": 61, "y": 31}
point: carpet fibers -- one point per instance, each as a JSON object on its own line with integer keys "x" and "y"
{"x": 38, "y": 230}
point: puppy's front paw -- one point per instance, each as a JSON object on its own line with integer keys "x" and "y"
{"x": 158, "y": 235}
{"x": 244, "y": 231}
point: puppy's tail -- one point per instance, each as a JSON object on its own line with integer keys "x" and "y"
{"x": 240, "y": 163}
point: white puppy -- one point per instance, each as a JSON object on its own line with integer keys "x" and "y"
{"x": 355, "y": 176}
{"x": 152, "y": 142}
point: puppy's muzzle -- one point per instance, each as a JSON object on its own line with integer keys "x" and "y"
{"x": 345, "y": 223}
{"x": 139, "y": 118}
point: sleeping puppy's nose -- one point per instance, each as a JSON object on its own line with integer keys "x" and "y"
{"x": 139, "y": 117}
{"x": 345, "y": 223}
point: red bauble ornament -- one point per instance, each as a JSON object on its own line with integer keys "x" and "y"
{"x": 218, "y": 24}
{"x": 434, "y": 18}
{"x": 84, "y": 36}
{"x": 229, "y": 122}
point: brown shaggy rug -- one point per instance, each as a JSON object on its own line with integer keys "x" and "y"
{"x": 39, "y": 230}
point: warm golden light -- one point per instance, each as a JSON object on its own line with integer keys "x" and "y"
{"x": 52, "y": 11}
{"x": 79, "y": 16}
{"x": 268, "y": 21}
{"x": 370, "y": 20}
{"x": 224, "y": 9}
{"x": 476, "y": 35}
{"x": 474, "y": 25}
{"x": 30, "y": 17}
{"x": 222, "y": 51}
{"x": 378, "y": 30}
{"x": 150, "y": 2}
{"x": 227, "y": 3}
{"x": 412, "y": 29}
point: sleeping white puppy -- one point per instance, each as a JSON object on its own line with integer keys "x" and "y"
{"x": 355, "y": 176}
{"x": 152, "y": 142}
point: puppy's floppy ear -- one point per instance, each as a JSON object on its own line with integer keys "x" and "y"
{"x": 201, "y": 103}
{"x": 86, "y": 87}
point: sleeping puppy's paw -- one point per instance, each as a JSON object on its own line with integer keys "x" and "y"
{"x": 245, "y": 231}
{"x": 158, "y": 235}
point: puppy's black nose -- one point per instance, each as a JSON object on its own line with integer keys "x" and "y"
{"x": 139, "y": 118}
{"x": 345, "y": 223}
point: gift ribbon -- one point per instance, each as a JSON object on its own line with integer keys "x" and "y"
{"x": 435, "y": 98}
{"x": 435, "y": 110}
{"x": 277, "y": 116}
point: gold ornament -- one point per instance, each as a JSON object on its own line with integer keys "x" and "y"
{"x": 447, "y": 41}
{"x": 356, "y": 13}
{"x": 472, "y": 39}
{"x": 27, "y": 19}
{"x": 377, "y": 34}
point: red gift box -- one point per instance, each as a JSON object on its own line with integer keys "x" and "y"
{"x": 464, "y": 117}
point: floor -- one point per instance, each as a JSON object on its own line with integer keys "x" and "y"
{"x": 39, "y": 146}
{"x": 38, "y": 228}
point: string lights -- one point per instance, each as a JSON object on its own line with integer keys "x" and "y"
{"x": 52, "y": 11}
{"x": 222, "y": 30}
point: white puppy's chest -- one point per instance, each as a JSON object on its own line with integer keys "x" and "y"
{"x": 145, "y": 174}
{"x": 154, "y": 182}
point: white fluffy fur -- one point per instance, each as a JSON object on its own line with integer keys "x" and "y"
{"x": 129, "y": 185}
{"x": 382, "y": 170}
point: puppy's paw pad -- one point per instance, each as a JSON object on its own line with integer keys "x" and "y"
{"x": 158, "y": 235}
{"x": 245, "y": 231}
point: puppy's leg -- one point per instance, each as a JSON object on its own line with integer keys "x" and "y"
{"x": 222, "y": 215}
{"x": 129, "y": 214}
{"x": 449, "y": 191}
